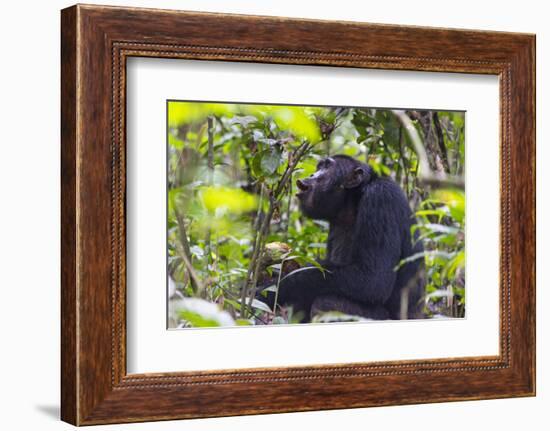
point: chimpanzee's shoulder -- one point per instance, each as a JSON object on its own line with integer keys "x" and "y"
{"x": 383, "y": 184}
{"x": 384, "y": 192}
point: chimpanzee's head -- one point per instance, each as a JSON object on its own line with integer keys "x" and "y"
{"x": 336, "y": 183}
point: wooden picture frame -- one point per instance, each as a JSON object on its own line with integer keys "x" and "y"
{"x": 95, "y": 43}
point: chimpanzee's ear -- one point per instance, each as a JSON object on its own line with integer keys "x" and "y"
{"x": 355, "y": 178}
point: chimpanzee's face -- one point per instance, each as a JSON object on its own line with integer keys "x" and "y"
{"x": 322, "y": 194}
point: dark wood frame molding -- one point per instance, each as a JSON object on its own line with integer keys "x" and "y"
{"x": 95, "y": 43}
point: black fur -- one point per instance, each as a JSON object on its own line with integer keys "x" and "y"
{"x": 370, "y": 233}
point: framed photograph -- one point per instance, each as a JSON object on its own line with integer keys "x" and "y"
{"x": 266, "y": 215}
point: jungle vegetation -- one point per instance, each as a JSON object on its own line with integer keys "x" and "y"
{"x": 234, "y": 223}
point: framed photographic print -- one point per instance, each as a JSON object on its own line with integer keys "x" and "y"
{"x": 329, "y": 214}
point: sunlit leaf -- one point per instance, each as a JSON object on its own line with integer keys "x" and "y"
{"x": 429, "y": 255}
{"x": 243, "y": 322}
{"x": 440, "y": 228}
{"x": 455, "y": 200}
{"x": 198, "y": 321}
{"x": 454, "y": 264}
{"x": 228, "y": 199}
{"x": 306, "y": 168}
{"x": 379, "y": 168}
{"x": 175, "y": 142}
{"x": 293, "y": 118}
{"x": 201, "y": 313}
{"x": 439, "y": 213}
{"x": 186, "y": 112}
{"x": 235, "y": 304}
{"x": 440, "y": 293}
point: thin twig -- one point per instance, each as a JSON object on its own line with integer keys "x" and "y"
{"x": 404, "y": 161}
{"x": 298, "y": 154}
{"x": 210, "y": 165}
{"x": 186, "y": 253}
{"x": 287, "y": 226}
{"x": 210, "y": 156}
{"x": 278, "y": 284}
{"x": 435, "y": 182}
{"x": 235, "y": 297}
{"x": 255, "y": 248}
{"x": 255, "y": 264}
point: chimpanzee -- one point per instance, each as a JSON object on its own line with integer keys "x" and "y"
{"x": 370, "y": 233}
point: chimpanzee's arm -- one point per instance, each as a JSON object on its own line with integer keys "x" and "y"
{"x": 355, "y": 282}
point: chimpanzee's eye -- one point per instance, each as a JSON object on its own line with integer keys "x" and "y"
{"x": 321, "y": 177}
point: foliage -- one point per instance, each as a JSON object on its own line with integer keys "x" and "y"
{"x": 441, "y": 224}
{"x": 233, "y": 220}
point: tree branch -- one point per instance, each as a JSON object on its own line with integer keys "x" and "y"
{"x": 441, "y": 142}
{"x": 255, "y": 249}
{"x": 186, "y": 253}
{"x": 254, "y": 265}
{"x": 425, "y": 174}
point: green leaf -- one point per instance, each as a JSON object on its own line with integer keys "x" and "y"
{"x": 256, "y": 165}
{"x": 259, "y": 305}
{"x": 379, "y": 168}
{"x": 270, "y": 161}
{"x": 457, "y": 262}
{"x": 439, "y": 228}
{"x": 297, "y": 119}
{"x": 244, "y": 121}
{"x": 235, "y": 304}
{"x": 272, "y": 288}
{"x": 201, "y": 313}
{"x": 175, "y": 142}
{"x": 305, "y": 268}
{"x": 243, "y": 322}
{"x": 440, "y": 293}
{"x": 440, "y": 213}
{"x": 232, "y": 200}
{"x": 455, "y": 200}
{"x": 197, "y": 320}
{"x": 186, "y": 112}
{"x": 317, "y": 245}
{"x": 197, "y": 251}
{"x": 429, "y": 255}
